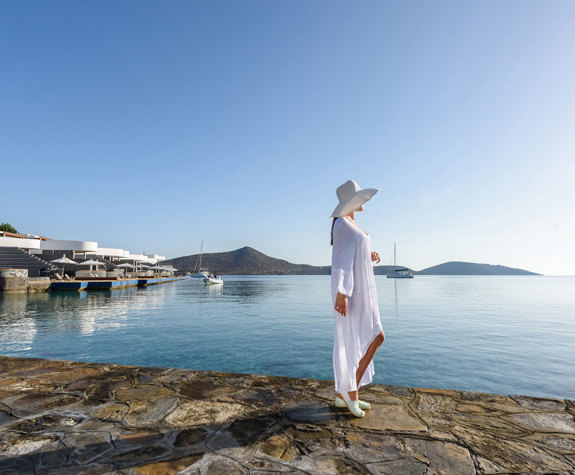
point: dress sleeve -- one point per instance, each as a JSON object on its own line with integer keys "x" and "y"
{"x": 343, "y": 255}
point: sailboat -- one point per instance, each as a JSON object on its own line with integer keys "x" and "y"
{"x": 206, "y": 275}
{"x": 399, "y": 273}
{"x": 198, "y": 271}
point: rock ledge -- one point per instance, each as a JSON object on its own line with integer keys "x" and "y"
{"x": 72, "y": 417}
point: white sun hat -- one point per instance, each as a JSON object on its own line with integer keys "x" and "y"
{"x": 351, "y": 197}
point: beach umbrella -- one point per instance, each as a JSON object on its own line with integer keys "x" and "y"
{"x": 156, "y": 267}
{"x": 64, "y": 260}
{"x": 91, "y": 262}
{"x": 125, "y": 265}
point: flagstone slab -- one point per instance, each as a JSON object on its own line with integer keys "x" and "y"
{"x": 389, "y": 418}
{"x": 167, "y": 468}
{"x": 143, "y": 392}
{"x": 366, "y": 447}
{"x": 114, "y": 411}
{"x": 540, "y": 404}
{"x": 66, "y": 417}
{"x": 444, "y": 457}
{"x": 197, "y": 413}
{"x": 281, "y": 447}
{"x": 560, "y": 444}
{"x": 149, "y": 412}
{"x": 310, "y": 410}
{"x": 551, "y": 422}
{"x": 404, "y": 466}
{"x": 6, "y": 419}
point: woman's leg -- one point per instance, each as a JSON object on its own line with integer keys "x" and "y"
{"x": 369, "y": 354}
{"x": 353, "y": 395}
{"x": 363, "y": 364}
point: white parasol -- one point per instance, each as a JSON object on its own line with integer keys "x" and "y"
{"x": 64, "y": 260}
{"x": 91, "y": 262}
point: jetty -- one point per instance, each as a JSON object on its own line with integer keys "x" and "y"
{"x": 18, "y": 281}
{"x": 70, "y": 417}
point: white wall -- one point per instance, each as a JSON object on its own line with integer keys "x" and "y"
{"x": 111, "y": 252}
{"x": 18, "y": 242}
{"x": 61, "y": 245}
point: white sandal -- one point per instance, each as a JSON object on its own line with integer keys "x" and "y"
{"x": 353, "y": 406}
{"x": 362, "y": 404}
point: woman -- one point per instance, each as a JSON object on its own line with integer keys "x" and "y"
{"x": 358, "y": 330}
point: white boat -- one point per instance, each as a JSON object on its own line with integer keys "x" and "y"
{"x": 213, "y": 280}
{"x": 204, "y": 274}
{"x": 399, "y": 273}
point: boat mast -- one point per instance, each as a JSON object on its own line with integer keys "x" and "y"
{"x": 199, "y": 259}
{"x": 394, "y": 257}
{"x": 201, "y": 252}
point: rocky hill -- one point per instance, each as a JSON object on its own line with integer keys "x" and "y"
{"x": 470, "y": 268}
{"x": 245, "y": 261}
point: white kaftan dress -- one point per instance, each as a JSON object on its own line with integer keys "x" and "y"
{"x": 352, "y": 275}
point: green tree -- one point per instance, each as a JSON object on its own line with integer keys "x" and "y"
{"x": 8, "y": 228}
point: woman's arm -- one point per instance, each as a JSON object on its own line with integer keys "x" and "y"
{"x": 343, "y": 256}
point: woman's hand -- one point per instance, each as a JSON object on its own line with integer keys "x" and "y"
{"x": 341, "y": 303}
{"x": 375, "y": 257}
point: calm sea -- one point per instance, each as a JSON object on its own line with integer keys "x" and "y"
{"x": 510, "y": 335}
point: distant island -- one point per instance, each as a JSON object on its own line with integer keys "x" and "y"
{"x": 249, "y": 261}
{"x": 470, "y": 268}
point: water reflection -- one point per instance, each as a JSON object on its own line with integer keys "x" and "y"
{"x": 215, "y": 289}
{"x": 77, "y": 312}
{"x": 17, "y": 325}
{"x": 251, "y": 290}
{"x": 396, "y": 299}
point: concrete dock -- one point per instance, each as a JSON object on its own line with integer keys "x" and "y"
{"x": 69, "y": 417}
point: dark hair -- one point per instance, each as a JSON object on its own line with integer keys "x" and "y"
{"x": 332, "y": 224}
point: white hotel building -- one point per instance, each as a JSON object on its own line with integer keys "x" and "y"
{"x": 36, "y": 253}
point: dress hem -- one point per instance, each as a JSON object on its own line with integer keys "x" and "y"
{"x": 363, "y": 352}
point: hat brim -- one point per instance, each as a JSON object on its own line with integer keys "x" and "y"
{"x": 353, "y": 203}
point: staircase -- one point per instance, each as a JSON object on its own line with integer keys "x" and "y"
{"x": 16, "y": 258}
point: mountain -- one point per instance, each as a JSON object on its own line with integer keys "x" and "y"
{"x": 249, "y": 261}
{"x": 245, "y": 261}
{"x": 470, "y": 268}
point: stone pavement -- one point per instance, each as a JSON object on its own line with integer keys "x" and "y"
{"x": 68, "y": 417}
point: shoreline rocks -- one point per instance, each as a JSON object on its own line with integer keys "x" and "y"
{"x": 73, "y": 417}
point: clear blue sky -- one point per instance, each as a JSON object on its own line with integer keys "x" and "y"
{"x": 153, "y": 125}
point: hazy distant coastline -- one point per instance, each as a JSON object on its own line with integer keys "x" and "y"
{"x": 249, "y": 261}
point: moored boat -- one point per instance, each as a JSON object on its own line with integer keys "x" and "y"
{"x": 399, "y": 273}
{"x": 213, "y": 279}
